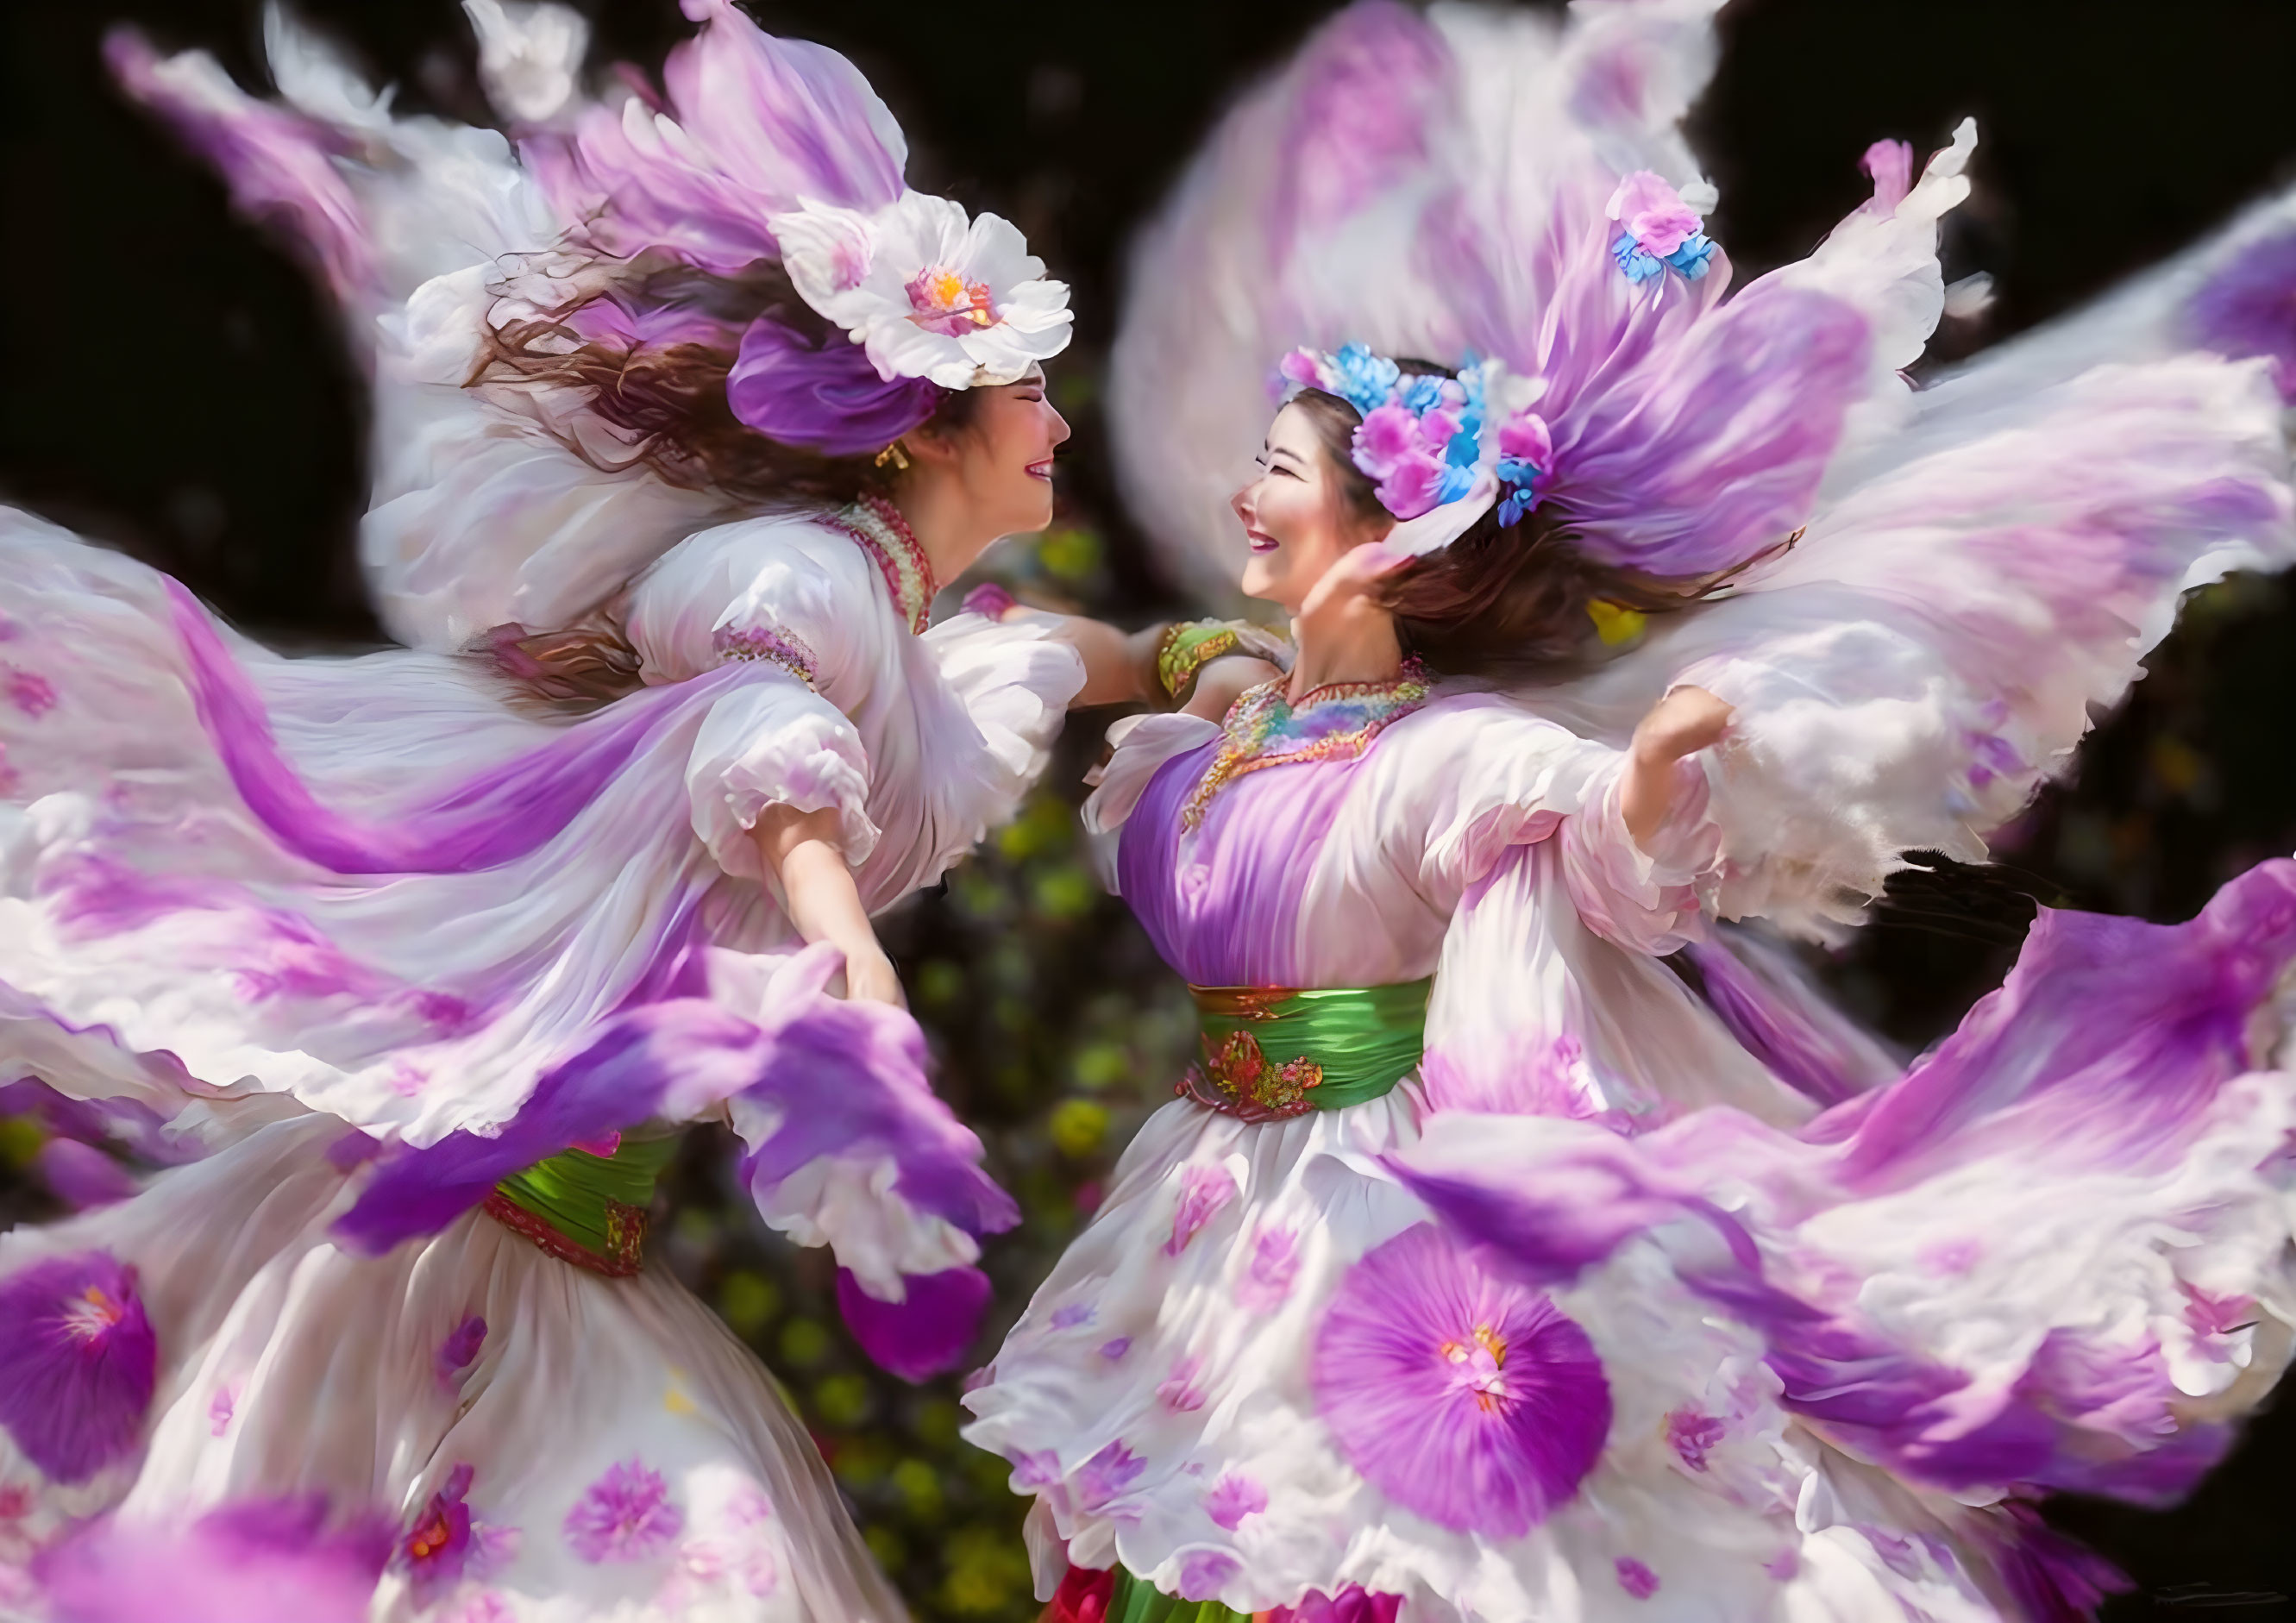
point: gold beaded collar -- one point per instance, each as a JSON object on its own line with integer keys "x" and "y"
{"x": 878, "y": 528}
{"x": 1332, "y": 723}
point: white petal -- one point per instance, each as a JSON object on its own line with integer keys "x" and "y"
{"x": 828, "y": 252}
{"x": 918, "y": 229}
{"x": 996, "y": 253}
{"x": 903, "y": 350}
{"x": 1035, "y": 306}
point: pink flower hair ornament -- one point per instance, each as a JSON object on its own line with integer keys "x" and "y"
{"x": 1426, "y": 440}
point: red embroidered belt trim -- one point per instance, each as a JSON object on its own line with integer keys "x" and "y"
{"x": 625, "y": 1227}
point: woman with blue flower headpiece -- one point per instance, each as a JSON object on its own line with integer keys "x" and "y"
{"x": 1480, "y": 1271}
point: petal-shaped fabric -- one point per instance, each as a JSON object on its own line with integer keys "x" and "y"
{"x": 2022, "y": 1262}
{"x": 752, "y": 125}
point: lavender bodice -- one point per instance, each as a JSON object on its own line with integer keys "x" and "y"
{"x": 1340, "y": 873}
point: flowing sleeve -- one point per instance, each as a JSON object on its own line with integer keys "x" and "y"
{"x": 792, "y": 606}
{"x": 1501, "y": 778}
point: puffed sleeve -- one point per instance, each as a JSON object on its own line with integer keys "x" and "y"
{"x": 789, "y": 606}
{"x": 1491, "y": 777}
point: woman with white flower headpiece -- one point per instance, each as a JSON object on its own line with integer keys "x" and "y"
{"x": 685, "y": 406}
{"x": 1479, "y": 1271}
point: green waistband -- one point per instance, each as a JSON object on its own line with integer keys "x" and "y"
{"x": 1134, "y": 1601}
{"x": 595, "y": 1202}
{"x": 1272, "y": 1051}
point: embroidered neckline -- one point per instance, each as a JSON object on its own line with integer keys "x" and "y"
{"x": 877, "y": 527}
{"x": 1332, "y": 723}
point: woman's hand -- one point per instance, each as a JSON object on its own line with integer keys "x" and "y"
{"x": 1344, "y": 593}
{"x": 1686, "y": 721}
{"x": 805, "y": 857}
{"x": 1683, "y": 723}
{"x": 871, "y": 978}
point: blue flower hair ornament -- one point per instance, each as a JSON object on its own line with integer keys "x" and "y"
{"x": 1426, "y": 440}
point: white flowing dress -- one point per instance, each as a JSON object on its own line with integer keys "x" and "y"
{"x": 1252, "y": 1380}
{"x": 171, "y": 936}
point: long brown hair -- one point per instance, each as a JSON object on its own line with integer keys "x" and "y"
{"x": 1503, "y": 600}
{"x": 666, "y": 408}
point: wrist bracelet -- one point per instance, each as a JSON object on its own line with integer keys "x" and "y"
{"x": 1185, "y": 649}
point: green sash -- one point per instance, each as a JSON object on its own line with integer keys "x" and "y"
{"x": 589, "y": 1210}
{"x": 1134, "y": 1601}
{"x": 1272, "y": 1052}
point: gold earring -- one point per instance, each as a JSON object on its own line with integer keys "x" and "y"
{"x": 894, "y": 454}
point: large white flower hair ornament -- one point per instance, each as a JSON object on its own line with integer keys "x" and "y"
{"x": 929, "y": 293}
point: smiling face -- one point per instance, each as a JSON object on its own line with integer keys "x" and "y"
{"x": 1298, "y": 515}
{"x": 999, "y": 463}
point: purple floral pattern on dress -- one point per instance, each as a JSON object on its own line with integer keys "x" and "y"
{"x": 1107, "y": 1474}
{"x": 1636, "y": 1579}
{"x": 1466, "y": 1398}
{"x": 459, "y": 1350}
{"x": 30, "y": 691}
{"x": 1203, "y": 1191}
{"x": 77, "y": 1361}
{"x": 1179, "y": 1392}
{"x": 1233, "y": 1498}
{"x": 438, "y": 1542}
{"x": 1267, "y": 1284}
{"x": 626, "y": 1515}
{"x": 1692, "y": 1435}
{"x": 1204, "y": 1572}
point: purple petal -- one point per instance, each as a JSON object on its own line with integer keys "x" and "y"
{"x": 767, "y": 122}
{"x": 623, "y": 1516}
{"x": 278, "y": 164}
{"x": 826, "y": 397}
{"x": 1710, "y": 450}
{"x": 2249, "y": 307}
{"x": 77, "y": 1361}
{"x": 924, "y": 1334}
{"x": 82, "y": 1176}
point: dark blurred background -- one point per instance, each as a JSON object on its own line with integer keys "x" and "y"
{"x": 174, "y": 386}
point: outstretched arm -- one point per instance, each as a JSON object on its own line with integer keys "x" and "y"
{"x": 1683, "y": 723}
{"x": 804, "y": 854}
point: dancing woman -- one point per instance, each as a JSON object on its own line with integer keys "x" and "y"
{"x": 1676, "y": 605}
{"x": 684, "y": 411}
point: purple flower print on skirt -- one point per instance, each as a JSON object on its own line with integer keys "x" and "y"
{"x": 1233, "y": 1498}
{"x": 1203, "y": 1572}
{"x": 30, "y": 693}
{"x": 1692, "y": 1435}
{"x": 1467, "y": 1399}
{"x": 625, "y": 1515}
{"x": 1352, "y": 1604}
{"x": 1108, "y": 1473}
{"x": 1179, "y": 1392}
{"x": 438, "y": 1546}
{"x": 1203, "y": 1191}
{"x": 77, "y": 1359}
{"x": 459, "y": 1351}
{"x": 1267, "y": 1284}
